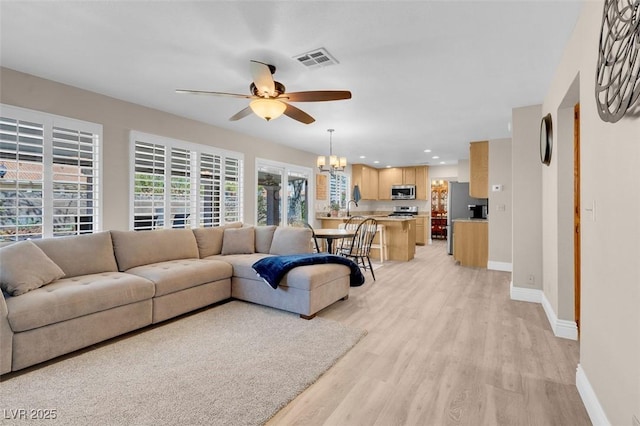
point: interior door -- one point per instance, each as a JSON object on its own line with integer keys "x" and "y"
{"x": 576, "y": 211}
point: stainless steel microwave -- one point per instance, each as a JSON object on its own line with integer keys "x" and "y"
{"x": 403, "y": 192}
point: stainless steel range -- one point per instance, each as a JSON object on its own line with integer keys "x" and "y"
{"x": 404, "y": 211}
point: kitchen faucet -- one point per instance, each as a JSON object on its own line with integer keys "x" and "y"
{"x": 349, "y": 202}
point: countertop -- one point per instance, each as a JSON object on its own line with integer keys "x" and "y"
{"x": 376, "y": 217}
{"x": 468, "y": 219}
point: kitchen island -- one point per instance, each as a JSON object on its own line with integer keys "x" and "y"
{"x": 400, "y": 234}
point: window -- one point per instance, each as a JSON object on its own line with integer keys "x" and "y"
{"x": 196, "y": 185}
{"x": 338, "y": 187}
{"x": 49, "y": 175}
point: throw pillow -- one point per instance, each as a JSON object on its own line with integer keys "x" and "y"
{"x": 239, "y": 240}
{"x": 25, "y": 267}
{"x": 210, "y": 239}
{"x": 291, "y": 240}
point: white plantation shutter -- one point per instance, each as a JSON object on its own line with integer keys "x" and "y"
{"x": 232, "y": 190}
{"x": 195, "y": 185}
{"x": 210, "y": 190}
{"x": 149, "y": 185}
{"x": 51, "y": 182}
{"x": 75, "y": 173}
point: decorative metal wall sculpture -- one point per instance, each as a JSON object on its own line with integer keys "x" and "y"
{"x": 618, "y": 72}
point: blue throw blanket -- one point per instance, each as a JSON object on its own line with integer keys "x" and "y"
{"x": 273, "y": 268}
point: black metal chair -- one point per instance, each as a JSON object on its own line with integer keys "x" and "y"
{"x": 359, "y": 247}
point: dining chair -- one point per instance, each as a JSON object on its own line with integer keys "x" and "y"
{"x": 359, "y": 247}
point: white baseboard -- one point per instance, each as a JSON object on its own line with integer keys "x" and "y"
{"x": 590, "y": 400}
{"x": 561, "y": 328}
{"x": 525, "y": 294}
{"x": 500, "y": 266}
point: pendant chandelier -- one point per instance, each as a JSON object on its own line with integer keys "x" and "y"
{"x": 333, "y": 163}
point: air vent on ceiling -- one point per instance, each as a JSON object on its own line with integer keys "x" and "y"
{"x": 316, "y": 58}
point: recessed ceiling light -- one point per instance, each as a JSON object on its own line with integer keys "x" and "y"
{"x": 388, "y": 167}
{"x": 363, "y": 156}
{"x": 442, "y": 162}
{"x": 427, "y": 150}
{"x": 435, "y": 157}
{"x": 376, "y": 162}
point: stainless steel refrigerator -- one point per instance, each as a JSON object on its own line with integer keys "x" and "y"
{"x": 458, "y": 202}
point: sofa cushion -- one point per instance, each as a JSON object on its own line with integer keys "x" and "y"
{"x": 81, "y": 254}
{"x": 176, "y": 275}
{"x": 291, "y": 240}
{"x": 242, "y": 264}
{"x": 264, "y": 237}
{"x": 137, "y": 248}
{"x": 210, "y": 239}
{"x": 25, "y": 267}
{"x": 74, "y": 297}
{"x": 313, "y": 276}
{"x": 239, "y": 241}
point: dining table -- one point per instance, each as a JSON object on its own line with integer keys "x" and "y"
{"x": 332, "y": 234}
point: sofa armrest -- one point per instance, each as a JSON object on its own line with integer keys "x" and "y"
{"x": 6, "y": 338}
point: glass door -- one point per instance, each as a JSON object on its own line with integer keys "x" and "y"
{"x": 282, "y": 193}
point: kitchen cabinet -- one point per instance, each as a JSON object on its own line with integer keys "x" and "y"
{"x": 408, "y": 176}
{"x": 471, "y": 242}
{"x": 421, "y": 230}
{"x": 479, "y": 169}
{"x": 367, "y": 180}
{"x": 422, "y": 183}
{"x": 387, "y": 178}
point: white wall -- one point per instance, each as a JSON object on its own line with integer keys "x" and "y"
{"x": 119, "y": 118}
{"x": 610, "y": 170}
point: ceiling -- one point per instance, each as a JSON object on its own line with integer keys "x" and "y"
{"x": 423, "y": 74}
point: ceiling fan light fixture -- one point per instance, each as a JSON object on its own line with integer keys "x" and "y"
{"x": 268, "y": 109}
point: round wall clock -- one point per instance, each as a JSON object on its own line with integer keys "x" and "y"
{"x": 546, "y": 139}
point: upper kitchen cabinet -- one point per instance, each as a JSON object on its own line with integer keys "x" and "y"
{"x": 367, "y": 180}
{"x": 417, "y": 176}
{"x": 387, "y": 178}
{"x": 479, "y": 169}
{"x": 422, "y": 183}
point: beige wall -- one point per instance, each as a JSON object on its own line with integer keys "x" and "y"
{"x": 500, "y": 204}
{"x": 119, "y": 118}
{"x": 526, "y": 198}
{"x": 610, "y": 169}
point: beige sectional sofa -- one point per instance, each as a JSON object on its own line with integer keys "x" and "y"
{"x": 67, "y": 293}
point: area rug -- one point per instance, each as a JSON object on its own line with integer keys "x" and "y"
{"x": 234, "y": 364}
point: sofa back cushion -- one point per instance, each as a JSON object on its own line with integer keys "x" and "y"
{"x": 264, "y": 237}
{"x": 291, "y": 240}
{"x": 210, "y": 239}
{"x": 239, "y": 241}
{"x": 81, "y": 254}
{"x": 25, "y": 267}
{"x": 137, "y": 248}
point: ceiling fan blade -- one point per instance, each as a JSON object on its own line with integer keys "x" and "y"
{"x": 317, "y": 96}
{"x": 262, "y": 78}
{"x": 298, "y": 114}
{"x": 241, "y": 114}
{"x": 204, "y": 92}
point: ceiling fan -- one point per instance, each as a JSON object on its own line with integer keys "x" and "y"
{"x": 269, "y": 99}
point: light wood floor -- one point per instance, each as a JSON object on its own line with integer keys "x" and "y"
{"x": 445, "y": 346}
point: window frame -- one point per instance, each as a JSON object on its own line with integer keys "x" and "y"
{"x": 49, "y": 122}
{"x": 196, "y": 217}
